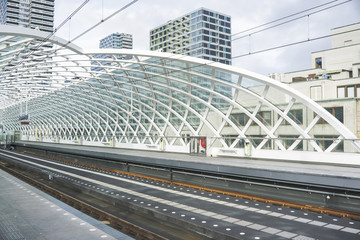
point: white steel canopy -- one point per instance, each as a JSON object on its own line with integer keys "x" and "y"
{"x": 141, "y": 98}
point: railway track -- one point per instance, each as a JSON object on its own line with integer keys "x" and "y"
{"x": 101, "y": 215}
{"x": 218, "y": 197}
{"x": 321, "y": 210}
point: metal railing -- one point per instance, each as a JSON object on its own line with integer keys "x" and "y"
{"x": 226, "y": 143}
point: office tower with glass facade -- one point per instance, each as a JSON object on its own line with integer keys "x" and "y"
{"x": 202, "y": 33}
{"x": 117, "y": 41}
{"x": 28, "y": 13}
{"x": 114, "y": 41}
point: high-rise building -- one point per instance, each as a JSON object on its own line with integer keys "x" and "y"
{"x": 202, "y": 33}
{"x": 117, "y": 41}
{"x": 28, "y": 13}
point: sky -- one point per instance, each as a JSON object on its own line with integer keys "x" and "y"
{"x": 144, "y": 15}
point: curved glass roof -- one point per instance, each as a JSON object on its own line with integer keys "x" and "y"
{"x": 128, "y": 97}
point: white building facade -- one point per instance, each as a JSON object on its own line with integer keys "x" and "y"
{"x": 334, "y": 79}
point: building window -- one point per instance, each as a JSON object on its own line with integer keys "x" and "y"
{"x": 296, "y": 115}
{"x": 341, "y": 92}
{"x": 316, "y": 92}
{"x": 229, "y": 139}
{"x": 325, "y": 141}
{"x": 239, "y": 119}
{"x": 349, "y": 91}
{"x": 337, "y": 112}
{"x": 264, "y": 117}
{"x": 318, "y": 62}
{"x": 257, "y": 139}
{"x": 287, "y": 141}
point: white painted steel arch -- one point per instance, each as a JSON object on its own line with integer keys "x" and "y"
{"x": 130, "y": 98}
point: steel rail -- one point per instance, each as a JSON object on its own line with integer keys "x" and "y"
{"x": 306, "y": 207}
{"x": 115, "y": 222}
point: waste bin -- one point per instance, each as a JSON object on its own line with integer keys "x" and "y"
{"x": 162, "y": 144}
{"x": 247, "y": 148}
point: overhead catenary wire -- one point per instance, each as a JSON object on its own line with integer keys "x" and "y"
{"x": 41, "y": 43}
{"x": 295, "y": 43}
{"x": 47, "y": 54}
{"x": 277, "y": 47}
{"x": 282, "y": 18}
{"x": 288, "y": 21}
{"x": 58, "y": 27}
{"x": 285, "y": 45}
{"x": 78, "y": 36}
{"x": 103, "y": 20}
{"x": 70, "y": 16}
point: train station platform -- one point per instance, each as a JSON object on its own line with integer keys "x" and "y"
{"x": 210, "y": 215}
{"x": 311, "y": 173}
{"x": 28, "y": 213}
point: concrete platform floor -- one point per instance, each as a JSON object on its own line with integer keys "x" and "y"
{"x": 28, "y": 213}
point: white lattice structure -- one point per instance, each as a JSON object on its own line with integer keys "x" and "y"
{"x": 145, "y": 100}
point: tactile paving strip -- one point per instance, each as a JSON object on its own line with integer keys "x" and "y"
{"x": 8, "y": 230}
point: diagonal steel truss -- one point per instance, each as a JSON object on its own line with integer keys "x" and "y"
{"x": 140, "y": 98}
